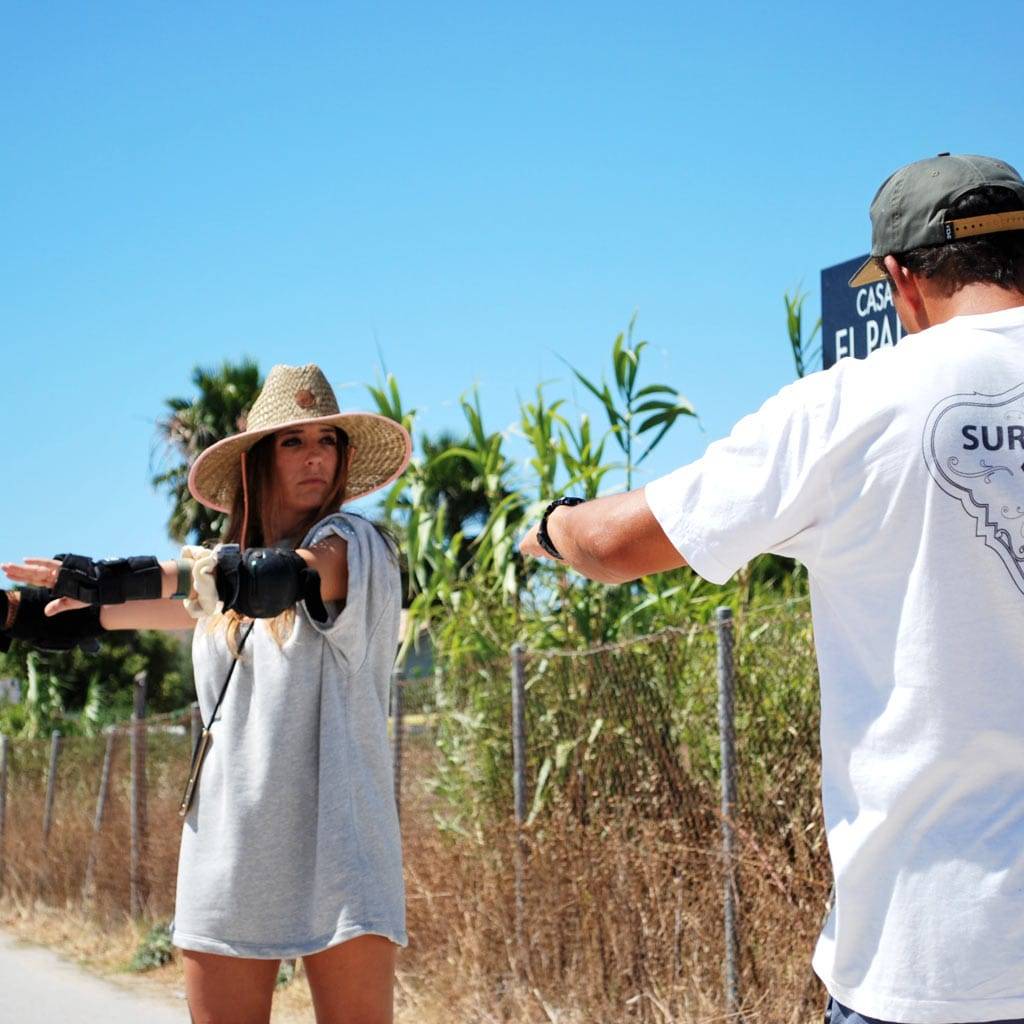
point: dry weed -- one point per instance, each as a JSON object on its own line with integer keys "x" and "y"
{"x": 622, "y": 912}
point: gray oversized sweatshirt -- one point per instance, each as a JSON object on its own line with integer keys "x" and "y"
{"x": 292, "y": 844}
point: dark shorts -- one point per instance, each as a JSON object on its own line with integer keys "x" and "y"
{"x": 836, "y": 1013}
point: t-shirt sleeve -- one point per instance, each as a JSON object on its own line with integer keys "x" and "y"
{"x": 374, "y": 586}
{"x": 761, "y": 489}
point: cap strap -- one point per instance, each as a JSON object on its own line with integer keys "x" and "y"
{"x": 965, "y": 227}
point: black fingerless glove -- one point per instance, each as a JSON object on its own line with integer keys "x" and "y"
{"x": 110, "y": 581}
{"x": 263, "y": 582}
{"x": 61, "y": 632}
{"x": 5, "y": 640}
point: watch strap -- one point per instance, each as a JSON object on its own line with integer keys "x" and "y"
{"x": 542, "y": 530}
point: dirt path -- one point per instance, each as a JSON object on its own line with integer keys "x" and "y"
{"x": 40, "y": 987}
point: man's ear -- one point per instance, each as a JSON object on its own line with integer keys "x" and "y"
{"x": 907, "y": 296}
{"x": 900, "y": 277}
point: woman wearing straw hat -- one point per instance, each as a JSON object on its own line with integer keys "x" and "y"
{"x": 290, "y": 846}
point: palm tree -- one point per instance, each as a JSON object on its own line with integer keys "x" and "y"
{"x": 225, "y": 396}
{"x": 454, "y": 481}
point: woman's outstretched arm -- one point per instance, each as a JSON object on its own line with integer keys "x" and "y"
{"x": 160, "y": 614}
{"x": 330, "y": 559}
{"x": 164, "y": 614}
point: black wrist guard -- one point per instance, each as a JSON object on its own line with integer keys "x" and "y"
{"x": 263, "y": 582}
{"x": 5, "y": 640}
{"x": 112, "y": 581}
{"x": 58, "y": 632}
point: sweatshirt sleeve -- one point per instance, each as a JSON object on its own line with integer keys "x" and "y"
{"x": 374, "y": 585}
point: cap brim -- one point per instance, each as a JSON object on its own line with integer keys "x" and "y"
{"x": 868, "y": 273}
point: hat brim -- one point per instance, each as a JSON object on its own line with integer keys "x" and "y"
{"x": 381, "y": 449}
{"x": 868, "y": 272}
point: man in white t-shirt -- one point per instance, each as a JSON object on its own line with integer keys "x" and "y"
{"x": 899, "y": 482}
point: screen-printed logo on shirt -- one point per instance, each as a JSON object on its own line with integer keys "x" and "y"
{"x": 974, "y": 449}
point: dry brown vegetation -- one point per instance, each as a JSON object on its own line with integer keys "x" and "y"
{"x": 622, "y": 917}
{"x": 620, "y": 906}
{"x": 622, "y": 921}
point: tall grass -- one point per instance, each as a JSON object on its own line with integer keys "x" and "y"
{"x": 623, "y": 880}
{"x": 55, "y": 874}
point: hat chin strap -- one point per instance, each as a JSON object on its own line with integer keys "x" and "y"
{"x": 245, "y": 503}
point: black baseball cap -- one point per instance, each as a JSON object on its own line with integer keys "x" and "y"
{"x": 912, "y": 207}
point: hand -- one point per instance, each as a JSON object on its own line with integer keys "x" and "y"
{"x": 529, "y": 545}
{"x": 41, "y": 572}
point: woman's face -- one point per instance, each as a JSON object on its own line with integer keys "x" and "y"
{"x": 305, "y": 461}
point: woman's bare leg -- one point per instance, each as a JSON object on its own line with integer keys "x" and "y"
{"x": 353, "y": 982}
{"x": 229, "y": 989}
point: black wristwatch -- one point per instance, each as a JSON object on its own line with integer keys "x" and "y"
{"x": 542, "y": 531}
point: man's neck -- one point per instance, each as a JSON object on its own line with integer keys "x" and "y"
{"x": 972, "y": 299}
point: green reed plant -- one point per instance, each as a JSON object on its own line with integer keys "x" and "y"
{"x": 804, "y": 350}
{"x": 477, "y": 596}
{"x": 633, "y": 412}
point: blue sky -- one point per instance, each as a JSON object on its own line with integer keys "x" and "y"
{"x": 471, "y": 192}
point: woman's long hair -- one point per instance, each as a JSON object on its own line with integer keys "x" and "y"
{"x": 253, "y": 513}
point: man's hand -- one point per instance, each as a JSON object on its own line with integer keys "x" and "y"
{"x": 611, "y": 540}
{"x": 530, "y": 546}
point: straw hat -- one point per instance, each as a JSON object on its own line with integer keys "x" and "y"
{"x": 293, "y": 396}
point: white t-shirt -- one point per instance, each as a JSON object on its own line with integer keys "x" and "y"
{"x": 899, "y": 482}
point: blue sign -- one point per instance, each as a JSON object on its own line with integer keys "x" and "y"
{"x": 855, "y": 321}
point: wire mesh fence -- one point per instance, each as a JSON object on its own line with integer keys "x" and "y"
{"x": 86, "y": 856}
{"x": 603, "y": 898}
{"x": 593, "y": 870}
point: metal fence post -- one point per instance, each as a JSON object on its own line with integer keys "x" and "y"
{"x": 439, "y": 700}
{"x": 397, "y": 729}
{"x": 519, "y": 732}
{"x": 138, "y": 806}
{"x": 727, "y": 741}
{"x": 4, "y": 747}
{"x": 97, "y": 822}
{"x": 519, "y": 791}
{"x": 51, "y": 786}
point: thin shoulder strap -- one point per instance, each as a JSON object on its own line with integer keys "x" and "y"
{"x": 227, "y": 678}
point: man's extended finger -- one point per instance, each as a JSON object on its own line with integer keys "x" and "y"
{"x": 49, "y": 563}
